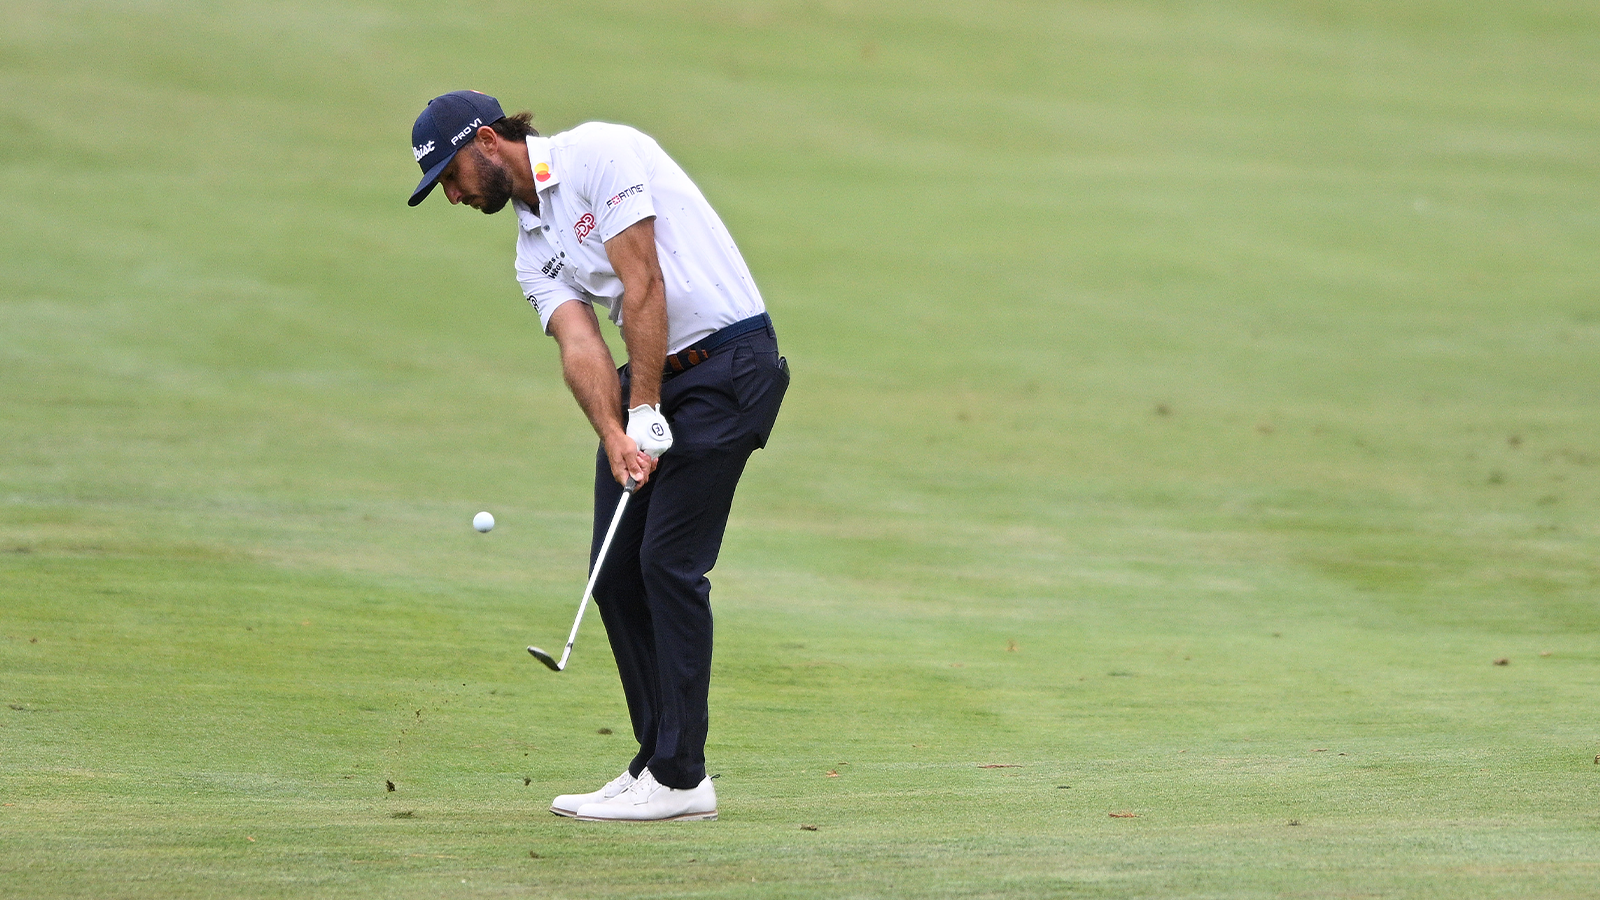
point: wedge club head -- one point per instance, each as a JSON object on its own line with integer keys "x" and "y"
{"x": 545, "y": 658}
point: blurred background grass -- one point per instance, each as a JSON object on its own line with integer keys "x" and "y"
{"x": 1192, "y": 401}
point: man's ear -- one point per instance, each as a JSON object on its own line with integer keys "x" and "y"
{"x": 489, "y": 141}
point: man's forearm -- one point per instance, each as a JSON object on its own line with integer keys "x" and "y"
{"x": 644, "y": 308}
{"x": 587, "y": 366}
{"x": 590, "y": 373}
{"x": 645, "y": 335}
{"x": 594, "y": 384}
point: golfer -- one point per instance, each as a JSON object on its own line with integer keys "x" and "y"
{"x": 605, "y": 218}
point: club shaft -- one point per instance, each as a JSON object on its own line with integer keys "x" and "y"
{"x": 599, "y": 559}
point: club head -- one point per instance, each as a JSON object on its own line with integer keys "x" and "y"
{"x": 545, "y": 658}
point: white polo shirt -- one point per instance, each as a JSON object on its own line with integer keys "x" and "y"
{"x": 596, "y": 180}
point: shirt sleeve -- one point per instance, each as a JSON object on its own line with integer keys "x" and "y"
{"x": 544, "y": 292}
{"x": 617, "y": 180}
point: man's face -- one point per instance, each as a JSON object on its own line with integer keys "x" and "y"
{"x": 476, "y": 180}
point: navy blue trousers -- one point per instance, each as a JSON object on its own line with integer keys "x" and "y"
{"x": 653, "y": 593}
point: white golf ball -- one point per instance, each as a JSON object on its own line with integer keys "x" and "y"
{"x": 483, "y": 521}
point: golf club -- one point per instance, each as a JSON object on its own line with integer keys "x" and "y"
{"x": 600, "y": 558}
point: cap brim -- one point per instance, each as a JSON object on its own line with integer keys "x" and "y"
{"x": 429, "y": 179}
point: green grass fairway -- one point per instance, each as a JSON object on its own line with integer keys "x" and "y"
{"x": 1190, "y": 486}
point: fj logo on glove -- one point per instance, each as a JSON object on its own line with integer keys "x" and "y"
{"x": 657, "y": 430}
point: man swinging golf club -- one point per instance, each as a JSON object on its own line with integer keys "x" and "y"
{"x": 606, "y": 218}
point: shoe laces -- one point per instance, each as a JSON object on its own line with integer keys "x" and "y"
{"x": 617, "y": 785}
{"x": 643, "y": 786}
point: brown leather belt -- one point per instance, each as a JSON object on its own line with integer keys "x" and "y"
{"x": 701, "y": 350}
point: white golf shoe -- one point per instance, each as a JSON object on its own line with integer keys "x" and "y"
{"x": 569, "y": 804}
{"x": 648, "y": 800}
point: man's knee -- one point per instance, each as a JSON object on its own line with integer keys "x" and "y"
{"x": 674, "y": 573}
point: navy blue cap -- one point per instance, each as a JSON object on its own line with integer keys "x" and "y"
{"x": 447, "y": 125}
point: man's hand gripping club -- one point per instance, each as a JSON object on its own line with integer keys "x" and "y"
{"x": 634, "y": 451}
{"x": 649, "y": 430}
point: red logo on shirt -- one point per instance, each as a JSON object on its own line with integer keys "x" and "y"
{"x": 583, "y": 226}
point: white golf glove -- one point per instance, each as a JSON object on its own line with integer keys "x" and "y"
{"x": 649, "y": 429}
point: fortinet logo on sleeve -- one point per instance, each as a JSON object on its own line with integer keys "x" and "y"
{"x": 422, "y": 150}
{"x": 623, "y": 195}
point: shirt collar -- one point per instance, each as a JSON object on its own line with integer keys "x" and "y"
{"x": 545, "y": 177}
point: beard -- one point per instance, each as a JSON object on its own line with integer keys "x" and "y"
{"x": 494, "y": 183}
